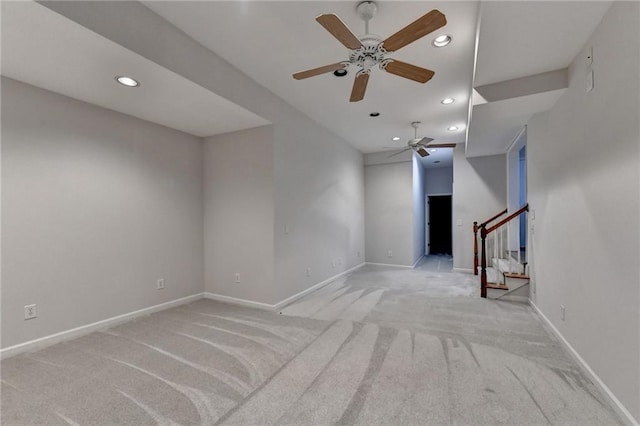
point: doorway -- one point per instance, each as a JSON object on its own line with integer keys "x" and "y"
{"x": 440, "y": 224}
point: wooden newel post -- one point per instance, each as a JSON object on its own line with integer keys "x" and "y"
{"x": 475, "y": 248}
{"x": 483, "y": 271}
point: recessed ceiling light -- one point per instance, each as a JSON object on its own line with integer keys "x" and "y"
{"x": 452, "y": 128}
{"x": 127, "y": 81}
{"x": 442, "y": 41}
{"x": 432, "y": 150}
{"x": 395, "y": 138}
{"x": 340, "y": 73}
{"x": 447, "y": 101}
{"x": 374, "y": 114}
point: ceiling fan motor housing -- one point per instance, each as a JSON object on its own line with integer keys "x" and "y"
{"x": 370, "y": 54}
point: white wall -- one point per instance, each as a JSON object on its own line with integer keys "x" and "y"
{"x": 419, "y": 220}
{"x": 318, "y": 177}
{"x": 96, "y": 206}
{"x": 479, "y": 192}
{"x": 438, "y": 181}
{"x": 389, "y": 212}
{"x": 239, "y": 214}
{"x": 584, "y": 185}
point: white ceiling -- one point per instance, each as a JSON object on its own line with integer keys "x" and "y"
{"x": 522, "y": 38}
{"x": 269, "y": 41}
{"x": 519, "y": 39}
{"x": 45, "y": 49}
{"x": 496, "y": 124}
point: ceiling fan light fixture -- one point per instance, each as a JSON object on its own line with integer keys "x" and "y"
{"x": 447, "y": 101}
{"x": 127, "y": 81}
{"x": 340, "y": 73}
{"x": 442, "y": 41}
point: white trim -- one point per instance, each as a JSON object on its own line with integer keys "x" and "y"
{"x": 389, "y": 264}
{"x": 239, "y": 302}
{"x": 282, "y": 303}
{"x": 614, "y": 402}
{"x": 62, "y": 336}
{"x": 463, "y": 270}
{"x": 321, "y": 284}
{"x": 417, "y": 261}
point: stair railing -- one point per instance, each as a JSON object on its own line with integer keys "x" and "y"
{"x": 475, "y": 238}
{"x": 484, "y": 231}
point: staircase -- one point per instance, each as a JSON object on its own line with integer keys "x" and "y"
{"x": 503, "y": 268}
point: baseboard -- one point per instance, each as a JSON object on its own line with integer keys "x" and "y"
{"x": 277, "y": 306}
{"x": 463, "y": 270}
{"x": 62, "y": 336}
{"x": 389, "y": 264}
{"x": 417, "y": 261}
{"x": 318, "y": 286}
{"x": 604, "y": 389}
{"x": 239, "y": 302}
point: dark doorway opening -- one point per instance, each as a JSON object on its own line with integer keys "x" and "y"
{"x": 440, "y": 224}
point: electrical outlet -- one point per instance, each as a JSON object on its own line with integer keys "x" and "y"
{"x": 390, "y": 254}
{"x": 562, "y": 311}
{"x": 308, "y": 272}
{"x": 237, "y": 277}
{"x": 30, "y": 312}
{"x": 160, "y": 284}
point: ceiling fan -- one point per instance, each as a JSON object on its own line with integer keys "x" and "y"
{"x": 420, "y": 145}
{"x": 370, "y": 50}
{"x": 417, "y": 144}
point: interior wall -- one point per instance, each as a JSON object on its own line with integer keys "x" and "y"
{"x": 238, "y": 214}
{"x": 419, "y": 219}
{"x": 318, "y": 177}
{"x": 96, "y": 207}
{"x": 583, "y": 161}
{"x": 389, "y": 212}
{"x": 479, "y": 192}
{"x": 438, "y": 181}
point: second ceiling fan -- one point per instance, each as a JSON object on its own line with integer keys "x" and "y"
{"x": 370, "y": 50}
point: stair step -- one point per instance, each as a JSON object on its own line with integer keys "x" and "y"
{"x": 497, "y": 286}
{"x": 517, "y": 276}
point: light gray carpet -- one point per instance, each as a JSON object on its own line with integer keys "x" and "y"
{"x": 384, "y": 346}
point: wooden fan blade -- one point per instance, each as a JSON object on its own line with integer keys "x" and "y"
{"x": 399, "y": 152}
{"x": 422, "y": 152}
{"x": 339, "y": 30}
{"x": 359, "y": 87}
{"x": 415, "y": 30}
{"x": 442, "y": 145}
{"x": 412, "y": 72}
{"x": 317, "y": 71}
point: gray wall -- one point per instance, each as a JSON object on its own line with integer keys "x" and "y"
{"x": 584, "y": 185}
{"x": 96, "y": 206}
{"x": 438, "y": 181}
{"x": 318, "y": 177}
{"x": 389, "y": 212}
{"x": 238, "y": 214}
{"x": 419, "y": 220}
{"x": 479, "y": 192}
